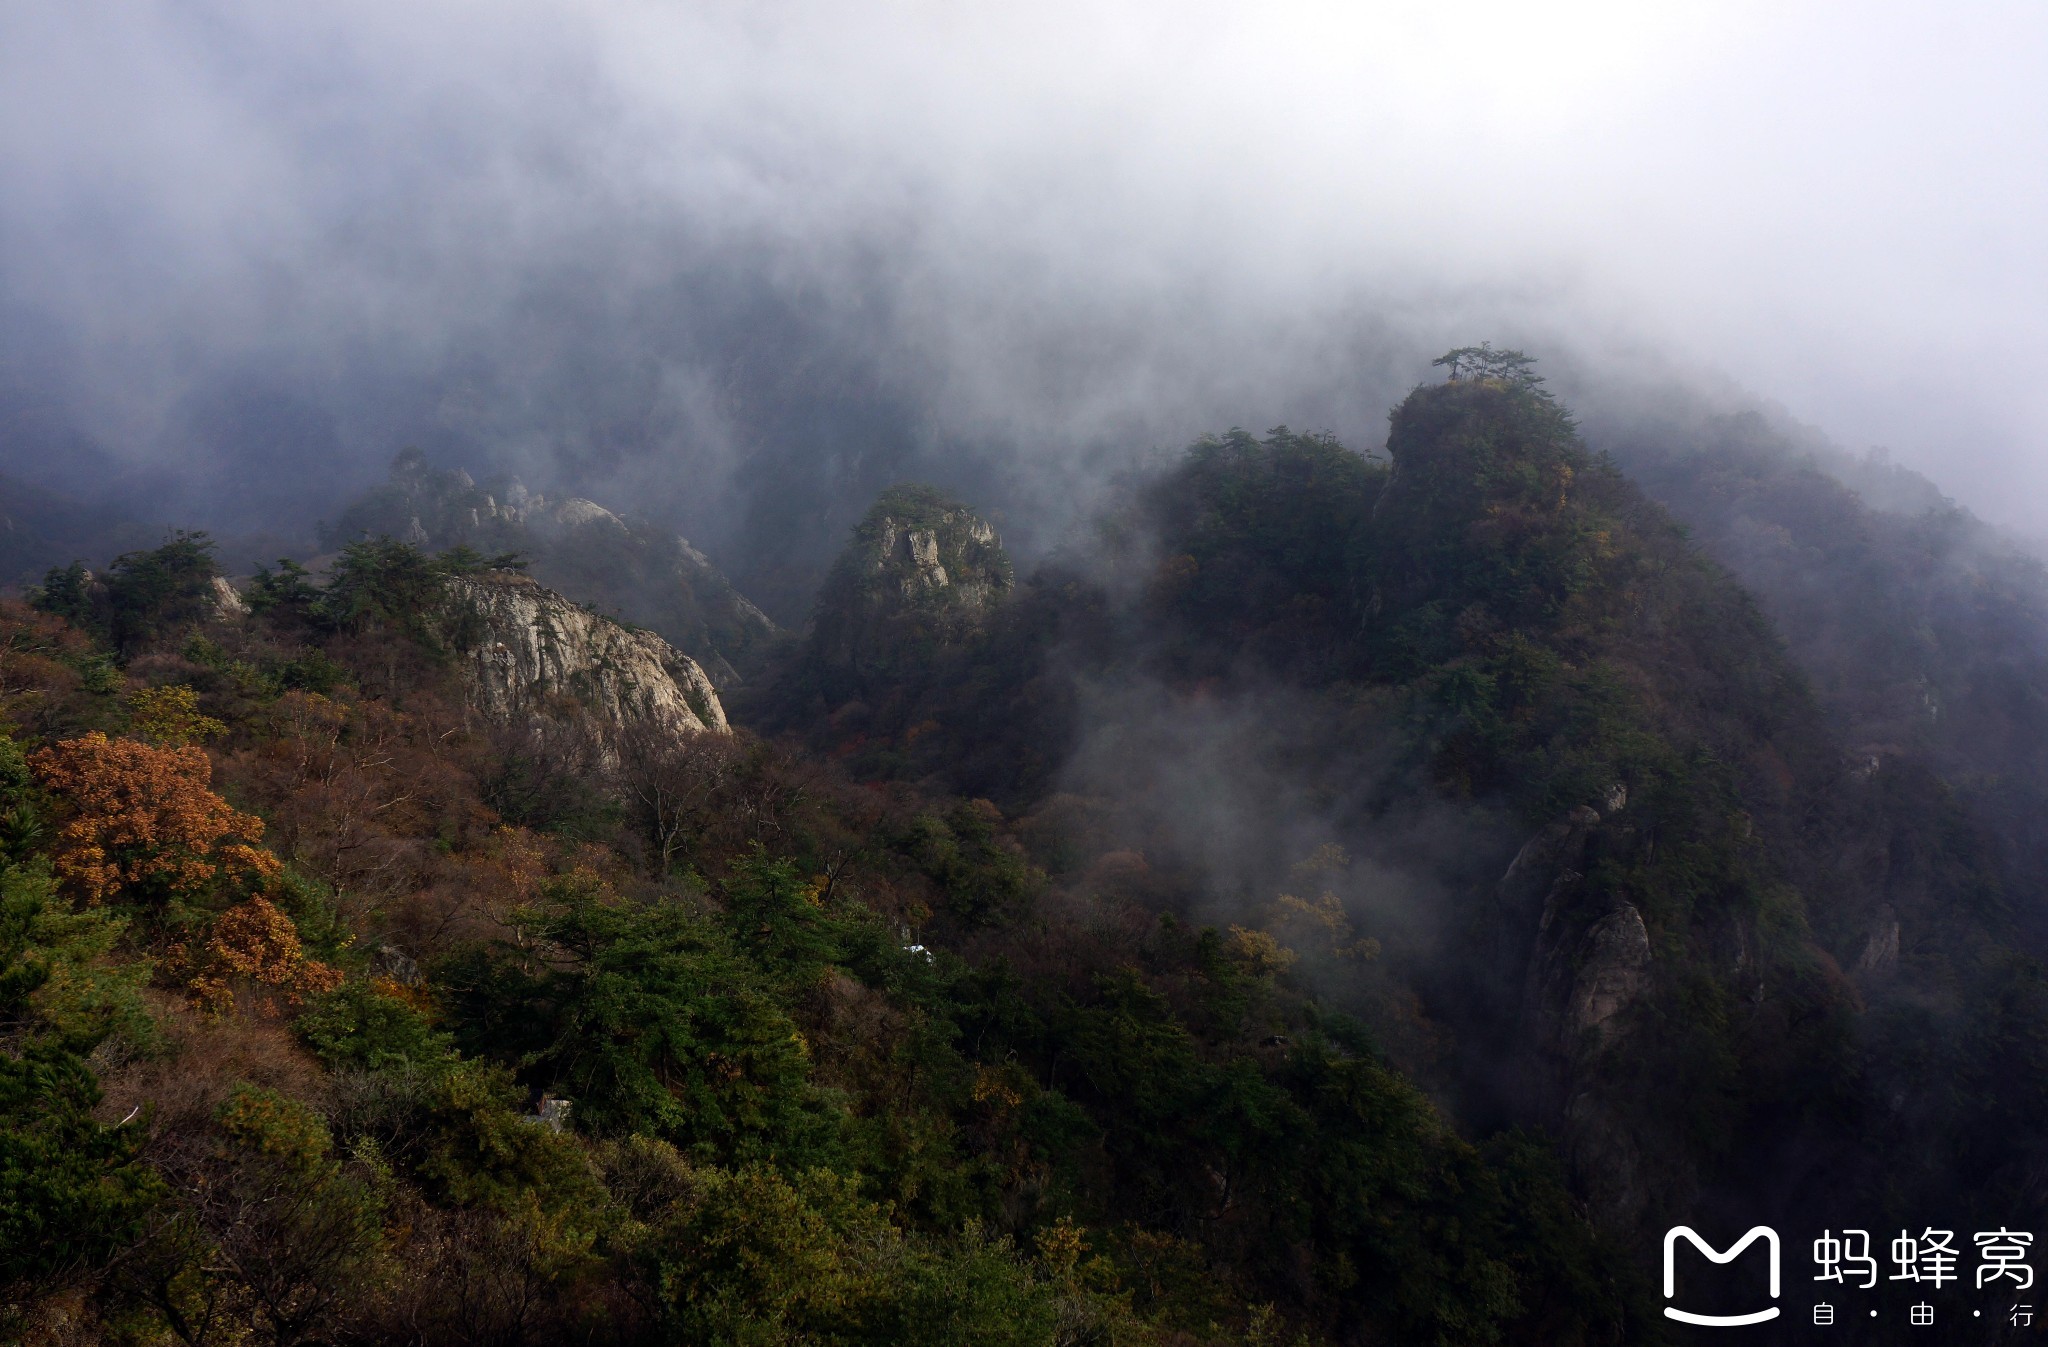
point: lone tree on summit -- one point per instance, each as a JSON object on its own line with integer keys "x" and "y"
{"x": 1483, "y": 362}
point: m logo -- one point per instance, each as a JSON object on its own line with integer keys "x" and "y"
{"x": 1671, "y": 1238}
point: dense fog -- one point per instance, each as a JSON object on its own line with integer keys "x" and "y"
{"x": 736, "y": 269}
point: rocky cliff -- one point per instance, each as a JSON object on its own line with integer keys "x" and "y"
{"x": 527, "y": 650}
{"x": 645, "y": 574}
{"x": 921, "y": 572}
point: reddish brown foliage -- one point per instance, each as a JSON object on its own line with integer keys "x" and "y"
{"x": 35, "y": 676}
{"x": 255, "y": 942}
{"x": 143, "y": 818}
{"x": 379, "y": 802}
{"x": 204, "y": 1058}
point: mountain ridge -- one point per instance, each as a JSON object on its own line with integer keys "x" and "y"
{"x": 1356, "y": 898}
{"x": 652, "y": 577}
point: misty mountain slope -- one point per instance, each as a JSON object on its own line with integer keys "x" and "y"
{"x": 40, "y": 529}
{"x": 1625, "y": 881}
{"x": 578, "y": 547}
{"x": 1924, "y": 632}
{"x": 924, "y": 658}
{"x": 398, "y": 1000}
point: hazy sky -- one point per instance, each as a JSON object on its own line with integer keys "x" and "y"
{"x": 1050, "y": 226}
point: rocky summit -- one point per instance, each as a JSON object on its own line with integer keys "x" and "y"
{"x": 922, "y": 570}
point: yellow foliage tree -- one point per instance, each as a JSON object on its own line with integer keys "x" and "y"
{"x": 171, "y": 717}
{"x": 144, "y": 821}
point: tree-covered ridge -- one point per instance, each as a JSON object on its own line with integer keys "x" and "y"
{"x": 1925, "y": 633}
{"x": 381, "y": 1022}
{"x": 1412, "y": 879}
{"x": 1538, "y": 635}
{"x": 1529, "y": 630}
{"x": 1713, "y": 948}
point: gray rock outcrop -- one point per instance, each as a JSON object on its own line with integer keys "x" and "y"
{"x": 1614, "y": 968}
{"x": 627, "y": 566}
{"x": 1589, "y": 959}
{"x": 911, "y": 560}
{"x": 921, "y": 573}
{"x": 527, "y": 650}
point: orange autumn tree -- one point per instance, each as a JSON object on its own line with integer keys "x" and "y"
{"x": 256, "y": 942}
{"x": 144, "y": 823}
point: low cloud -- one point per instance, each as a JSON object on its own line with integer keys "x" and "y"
{"x": 738, "y": 267}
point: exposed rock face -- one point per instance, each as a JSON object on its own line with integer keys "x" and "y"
{"x": 1614, "y": 968}
{"x": 580, "y": 547}
{"x": 911, "y": 560}
{"x": 1589, "y": 959}
{"x": 918, "y": 547}
{"x": 922, "y": 572}
{"x": 226, "y": 601}
{"x": 526, "y": 647}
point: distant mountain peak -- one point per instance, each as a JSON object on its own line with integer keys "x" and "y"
{"x": 920, "y": 572}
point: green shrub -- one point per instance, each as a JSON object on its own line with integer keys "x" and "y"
{"x": 358, "y": 1026}
{"x": 72, "y": 1190}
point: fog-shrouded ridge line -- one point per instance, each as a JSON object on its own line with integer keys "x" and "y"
{"x": 630, "y": 568}
{"x": 1565, "y": 778}
{"x": 1923, "y": 629}
{"x": 636, "y": 255}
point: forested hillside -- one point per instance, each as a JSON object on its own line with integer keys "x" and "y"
{"x": 1354, "y": 899}
{"x": 1625, "y": 872}
{"x": 339, "y": 1012}
{"x": 1924, "y": 632}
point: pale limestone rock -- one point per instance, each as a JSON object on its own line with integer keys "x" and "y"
{"x": 526, "y": 646}
{"x": 596, "y": 554}
{"x": 575, "y": 512}
{"x": 227, "y": 602}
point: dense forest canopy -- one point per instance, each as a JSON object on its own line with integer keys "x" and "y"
{"x": 1352, "y": 899}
